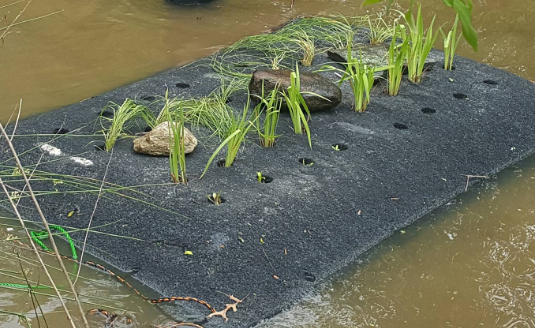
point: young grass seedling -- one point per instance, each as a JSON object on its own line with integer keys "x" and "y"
{"x": 397, "y": 54}
{"x": 271, "y": 104}
{"x": 336, "y": 147}
{"x": 259, "y": 176}
{"x": 122, "y": 115}
{"x": 420, "y": 45}
{"x": 450, "y": 44}
{"x": 215, "y": 198}
{"x": 296, "y": 105}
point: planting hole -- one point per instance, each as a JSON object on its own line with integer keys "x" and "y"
{"x": 264, "y": 179}
{"x": 452, "y": 67}
{"x": 181, "y": 85}
{"x": 100, "y": 145}
{"x": 106, "y": 113}
{"x": 215, "y": 199}
{"x": 401, "y": 126}
{"x": 147, "y": 129}
{"x": 228, "y": 101}
{"x": 310, "y": 277}
{"x": 460, "y": 95}
{"x": 339, "y": 147}
{"x": 306, "y": 161}
{"x": 148, "y": 98}
{"x": 491, "y": 82}
{"x": 221, "y": 163}
{"x": 60, "y": 131}
{"x": 428, "y": 110}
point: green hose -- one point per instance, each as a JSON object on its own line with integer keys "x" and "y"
{"x": 37, "y": 236}
{"x": 5, "y": 284}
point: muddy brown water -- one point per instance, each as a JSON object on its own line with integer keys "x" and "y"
{"x": 468, "y": 264}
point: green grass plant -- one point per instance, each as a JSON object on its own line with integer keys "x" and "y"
{"x": 307, "y": 45}
{"x": 378, "y": 29}
{"x": 271, "y": 104}
{"x": 299, "y": 40}
{"x": 397, "y": 54}
{"x": 361, "y": 77}
{"x": 451, "y": 41}
{"x": 420, "y": 44}
{"x": 236, "y": 133}
{"x": 297, "y": 106}
{"x": 177, "y": 154}
{"x": 123, "y": 115}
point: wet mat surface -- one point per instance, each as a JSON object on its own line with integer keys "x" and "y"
{"x": 405, "y": 156}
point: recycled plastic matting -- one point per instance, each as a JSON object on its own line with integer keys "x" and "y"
{"x": 405, "y": 156}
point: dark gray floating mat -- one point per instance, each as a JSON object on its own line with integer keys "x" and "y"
{"x": 405, "y": 156}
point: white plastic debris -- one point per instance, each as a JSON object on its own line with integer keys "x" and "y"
{"x": 51, "y": 150}
{"x": 82, "y": 161}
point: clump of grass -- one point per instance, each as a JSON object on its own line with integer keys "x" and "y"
{"x": 212, "y": 111}
{"x": 297, "y": 106}
{"x": 271, "y": 103}
{"x": 378, "y": 29}
{"x": 240, "y": 126}
{"x": 122, "y": 115}
{"x": 397, "y": 53}
{"x": 305, "y": 36}
{"x": 361, "y": 78}
{"x": 451, "y": 41}
{"x": 420, "y": 44}
{"x": 308, "y": 48}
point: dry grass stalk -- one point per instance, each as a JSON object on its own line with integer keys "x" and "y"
{"x": 45, "y": 224}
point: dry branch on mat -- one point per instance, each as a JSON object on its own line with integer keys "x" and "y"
{"x": 233, "y": 306}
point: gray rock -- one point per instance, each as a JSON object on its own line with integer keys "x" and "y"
{"x": 330, "y": 94}
{"x": 156, "y": 142}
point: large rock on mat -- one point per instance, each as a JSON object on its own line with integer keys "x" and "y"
{"x": 312, "y": 85}
{"x": 156, "y": 142}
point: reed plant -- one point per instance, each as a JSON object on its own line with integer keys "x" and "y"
{"x": 177, "y": 154}
{"x": 420, "y": 43}
{"x": 361, "y": 77}
{"x": 297, "y": 106}
{"x": 451, "y": 41}
{"x": 397, "y": 54}
{"x": 123, "y": 115}
{"x": 236, "y": 133}
{"x": 270, "y": 104}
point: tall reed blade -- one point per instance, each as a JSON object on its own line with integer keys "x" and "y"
{"x": 420, "y": 44}
{"x": 297, "y": 106}
{"x": 451, "y": 41}
{"x": 397, "y": 54}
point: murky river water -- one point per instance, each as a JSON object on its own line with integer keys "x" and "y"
{"x": 470, "y": 264}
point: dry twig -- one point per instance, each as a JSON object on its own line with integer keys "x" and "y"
{"x": 469, "y": 176}
{"x": 233, "y": 306}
